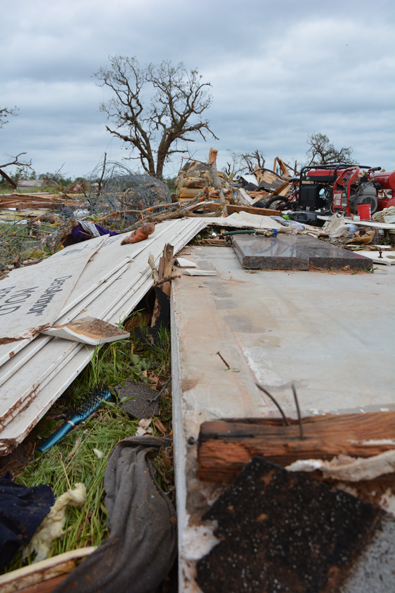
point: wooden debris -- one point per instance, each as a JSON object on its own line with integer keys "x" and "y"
{"x": 21, "y": 201}
{"x": 151, "y": 262}
{"x": 46, "y": 570}
{"x": 212, "y": 157}
{"x": 88, "y": 330}
{"x": 140, "y": 234}
{"x": 176, "y": 210}
{"x": 166, "y": 270}
{"x": 225, "y": 446}
{"x": 216, "y": 182}
{"x": 234, "y": 208}
{"x": 167, "y": 279}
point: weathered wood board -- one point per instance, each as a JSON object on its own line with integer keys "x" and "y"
{"x": 88, "y": 330}
{"x": 225, "y": 446}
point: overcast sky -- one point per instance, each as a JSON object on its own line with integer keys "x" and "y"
{"x": 280, "y": 70}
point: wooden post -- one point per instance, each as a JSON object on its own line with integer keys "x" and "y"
{"x": 166, "y": 268}
{"x": 212, "y": 157}
{"x": 216, "y": 182}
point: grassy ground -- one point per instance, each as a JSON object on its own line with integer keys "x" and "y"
{"x": 19, "y": 241}
{"x": 73, "y": 460}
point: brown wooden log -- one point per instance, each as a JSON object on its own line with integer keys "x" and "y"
{"x": 186, "y": 192}
{"x": 225, "y": 446}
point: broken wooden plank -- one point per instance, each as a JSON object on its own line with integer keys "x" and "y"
{"x": 18, "y": 580}
{"x": 88, "y": 330}
{"x": 225, "y": 446}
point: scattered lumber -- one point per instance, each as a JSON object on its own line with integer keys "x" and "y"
{"x": 21, "y": 201}
{"x": 176, "y": 210}
{"x": 234, "y": 208}
{"x": 196, "y": 175}
{"x": 225, "y": 446}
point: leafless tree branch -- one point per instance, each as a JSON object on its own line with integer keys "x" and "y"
{"x": 155, "y": 109}
{"x": 15, "y": 161}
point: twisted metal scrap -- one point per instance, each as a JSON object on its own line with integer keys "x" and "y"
{"x": 124, "y": 190}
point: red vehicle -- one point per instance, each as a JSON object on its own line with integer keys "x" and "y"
{"x": 383, "y": 182}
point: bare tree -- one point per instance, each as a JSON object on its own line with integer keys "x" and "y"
{"x": 240, "y": 162}
{"x": 156, "y": 108}
{"x": 16, "y": 162}
{"x": 321, "y": 151}
{"x": 5, "y": 112}
{"x": 253, "y": 160}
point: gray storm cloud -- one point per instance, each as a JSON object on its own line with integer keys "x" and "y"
{"x": 279, "y": 71}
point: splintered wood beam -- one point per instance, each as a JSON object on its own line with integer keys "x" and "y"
{"x": 225, "y": 446}
{"x": 167, "y": 268}
{"x": 212, "y": 157}
{"x": 151, "y": 262}
{"x": 281, "y": 190}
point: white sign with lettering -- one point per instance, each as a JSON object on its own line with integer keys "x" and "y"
{"x": 33, "y": 296}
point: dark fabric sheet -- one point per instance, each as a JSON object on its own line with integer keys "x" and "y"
{"x": 79, "y": 234}
{"x": 21, "y": 512}
{"x": 142, "y": 544}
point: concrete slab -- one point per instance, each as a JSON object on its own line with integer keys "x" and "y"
{"x": 331, "y": 334}
{"x": 293, "y": 252}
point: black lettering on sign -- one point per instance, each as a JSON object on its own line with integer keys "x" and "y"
{"x": 19, "y": 297}
{"x": 4, "y": 310}
{"x": 42, "y": 303}
{"x": 5, "y": 291}
{"x": 73, "y": 251}
{"x": 111, "y": 240}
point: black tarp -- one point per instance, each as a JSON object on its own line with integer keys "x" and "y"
{"x": 21, "y": 512}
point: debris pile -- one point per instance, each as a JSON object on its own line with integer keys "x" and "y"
{"x": 125, "y": 193}
{"x": 195, "y": 176}
{"x": 274, "y": 376}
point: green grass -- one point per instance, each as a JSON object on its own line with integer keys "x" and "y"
{"x": 17, "y": 239}
{"x": 72, "y": 460}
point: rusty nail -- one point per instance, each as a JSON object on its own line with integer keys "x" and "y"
{"x": 223, "y": 360}
{"x": 274, "y": 401}
{"x": 298, "y": 411}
